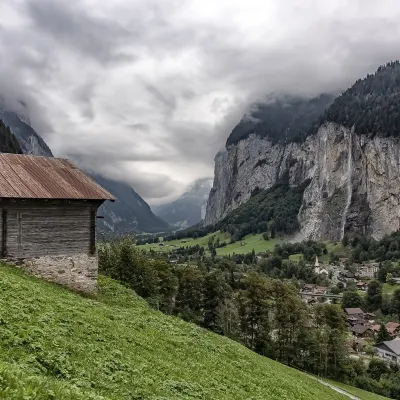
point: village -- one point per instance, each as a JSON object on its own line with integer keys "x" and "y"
{"x": 363, "y": 327}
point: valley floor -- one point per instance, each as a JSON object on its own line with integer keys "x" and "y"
{"x": 246, "y": 245}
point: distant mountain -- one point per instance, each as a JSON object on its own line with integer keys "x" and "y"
{"x": 129, "y": 213}
{"x": 29, "y": 140}
{"x": 190, "y": 208}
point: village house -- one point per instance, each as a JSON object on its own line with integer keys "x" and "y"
{"x": 354, "y": 316}
{"x": 393, "y": 328}
{"x": 367, "y": 271}
{"x": 362, "y": 331}
{"x": 354, "y": 312}
{"x": 312, "y": 293}
{"x": 389, "y": 350}
{"x": 346, "y": 275}
{"x": 48, "y": 219}
{"x": 362, "y": 286}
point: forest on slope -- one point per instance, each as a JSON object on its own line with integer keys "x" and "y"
{"x": 8, "y": 142}
{"x": 282, "y": 118}
{"x": 371, "y": 105}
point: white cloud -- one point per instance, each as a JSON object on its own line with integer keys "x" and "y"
{"x": 148, "y": 91}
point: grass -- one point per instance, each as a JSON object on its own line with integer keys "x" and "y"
{"x": 389, "y": 289}
{"x": 362, "y": 394}
{"x": 246, "y": 245}
{"x": 172, "y": 244}
{"x": 296, "y": 257}
{"x": 56, "y": 344}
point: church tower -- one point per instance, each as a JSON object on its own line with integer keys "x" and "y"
{"x": 316, "y": 265}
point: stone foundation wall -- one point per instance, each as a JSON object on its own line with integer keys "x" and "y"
{"x": 78, "y": 272}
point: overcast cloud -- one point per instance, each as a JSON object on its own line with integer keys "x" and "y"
{"x": 147, "y": 91}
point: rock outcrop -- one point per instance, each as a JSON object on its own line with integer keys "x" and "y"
{"x": 355, "y": 180}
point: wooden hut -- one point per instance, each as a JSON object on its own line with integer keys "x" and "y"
{"x": 48, "y": 211}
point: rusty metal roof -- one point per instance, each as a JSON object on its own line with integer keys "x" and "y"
{"x": 32, "y": 177}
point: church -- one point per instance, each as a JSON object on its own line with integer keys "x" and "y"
{"x": 317, "y": 269}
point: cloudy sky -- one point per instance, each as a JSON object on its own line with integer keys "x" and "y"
{"x": 147, "y": 91}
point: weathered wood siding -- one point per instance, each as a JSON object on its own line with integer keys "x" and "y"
{"x": 34, "y": 231}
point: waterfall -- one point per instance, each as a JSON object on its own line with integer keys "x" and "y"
{"x": 348, "y": 181}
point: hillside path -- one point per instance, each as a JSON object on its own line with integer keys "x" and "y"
{"x": 337, "y": 389}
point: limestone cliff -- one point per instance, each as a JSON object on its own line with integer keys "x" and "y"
{"x": 355, "y": 180}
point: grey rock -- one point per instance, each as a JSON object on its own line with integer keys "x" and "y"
{"x": 355, "y": 180}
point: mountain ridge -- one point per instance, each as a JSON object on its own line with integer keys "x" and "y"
{"x": 129, "y": 213}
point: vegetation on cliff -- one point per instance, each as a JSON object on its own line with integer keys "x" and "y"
{"x": 8, "y": 142}
{"x": 273, "y": 211}
{"x": 371, "y": 105}
{"x": 281, "y": 119}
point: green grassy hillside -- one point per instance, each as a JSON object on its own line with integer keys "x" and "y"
{"x": 362, "y": 394}
{"x": 55, "y": 344}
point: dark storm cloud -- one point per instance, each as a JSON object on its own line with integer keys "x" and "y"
{"x": 148, "y": 91}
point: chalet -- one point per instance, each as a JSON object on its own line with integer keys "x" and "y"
{"x": 347, "y": 275}
{"x": 362, "y": 331}
{"x": 359, "y": 344}
{"x": 362, "y": 286}
{"x": 393, "y": 328}
{"x": 354, "y": 312}
{"x": 389, "y": 350}
{"x": 48, "y": 210}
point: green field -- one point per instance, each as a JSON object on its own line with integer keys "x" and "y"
{"x": 389, "y": 289}
{"x": 56, "y": 344}
{"x": 246, "y": 245}
{"x": 362, "y": 394}
{"x": 173, "y": 244}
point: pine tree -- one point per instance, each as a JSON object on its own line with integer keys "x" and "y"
{"x": 383, "y": 335}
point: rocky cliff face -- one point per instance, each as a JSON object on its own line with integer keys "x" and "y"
{"x": 355, "y": 180}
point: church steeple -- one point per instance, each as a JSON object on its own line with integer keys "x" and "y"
{"x": 316, "y": 265}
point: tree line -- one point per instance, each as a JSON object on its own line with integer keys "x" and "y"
{"x": 241, "y": 302}
{"x": 8, "y": 142}
{"x": 365, "y": 248}
{"x": 371, "y": 105}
